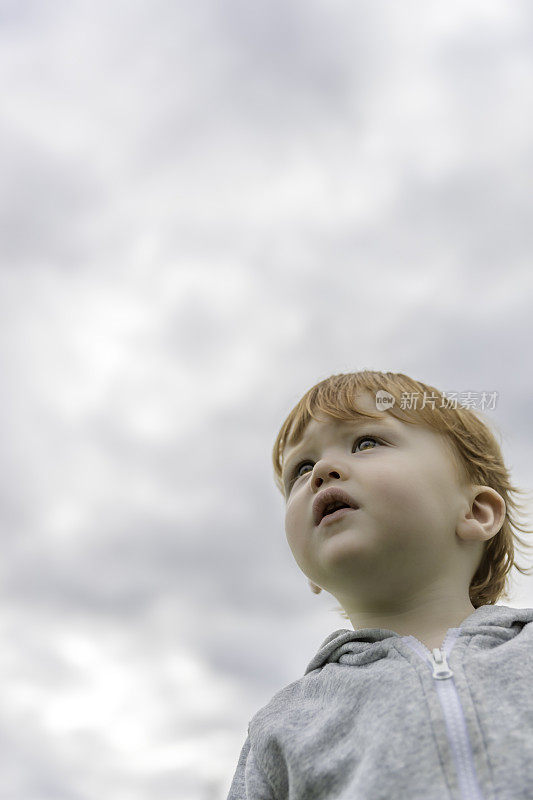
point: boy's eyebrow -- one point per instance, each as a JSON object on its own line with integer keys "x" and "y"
{"x": 349, "y": 423}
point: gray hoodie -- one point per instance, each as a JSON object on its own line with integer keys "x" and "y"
{"x": 378, "y": 716}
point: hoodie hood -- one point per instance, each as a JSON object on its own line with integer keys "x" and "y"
{"x": 364, "y": 645}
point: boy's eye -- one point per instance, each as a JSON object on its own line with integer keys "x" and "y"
{"x": 296, "y": 472}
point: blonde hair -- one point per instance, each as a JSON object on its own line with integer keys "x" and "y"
{"x": 477, "y": 454}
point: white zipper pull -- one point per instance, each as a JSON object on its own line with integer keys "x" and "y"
{"x": 441, "y": 670}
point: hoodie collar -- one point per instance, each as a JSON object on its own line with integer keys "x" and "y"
{"x": 370, "y": 644}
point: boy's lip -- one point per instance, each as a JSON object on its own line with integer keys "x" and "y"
{"x": 328, "y": 496}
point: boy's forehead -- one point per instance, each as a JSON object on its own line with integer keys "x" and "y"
{"x": 333, "y": 425}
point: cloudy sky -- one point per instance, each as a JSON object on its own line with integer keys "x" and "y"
{"x": 208, "y": 207}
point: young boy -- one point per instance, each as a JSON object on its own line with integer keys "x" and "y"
{"x": 402, "y": 510}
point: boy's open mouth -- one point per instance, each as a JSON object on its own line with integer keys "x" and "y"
{"x": 330, "y": 503}
{"x": 327, "y": 518}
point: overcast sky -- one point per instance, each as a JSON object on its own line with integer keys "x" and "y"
{"x": 208, "y": 207}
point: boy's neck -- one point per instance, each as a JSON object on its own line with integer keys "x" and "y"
{"x": 428, "y": 623}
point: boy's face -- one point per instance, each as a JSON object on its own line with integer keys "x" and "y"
{"x": 402, "y": 537}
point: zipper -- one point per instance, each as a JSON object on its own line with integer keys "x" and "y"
{"x": 454, "y": 717}
{"x": 441, "y": 670}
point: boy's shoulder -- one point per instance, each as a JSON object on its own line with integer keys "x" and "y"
{"x": 291, "y": 705}
{"x": 298, "y": 700}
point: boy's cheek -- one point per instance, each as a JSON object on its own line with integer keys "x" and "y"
{"x": 295, "y": 512}
{"x": 395, "y": 489}
{"x": 291, "y": 523}
{"x": 297, "y": 527}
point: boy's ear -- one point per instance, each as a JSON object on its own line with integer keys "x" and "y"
{"x": 484, "y": 517}
{"x": 314, "y": 588}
